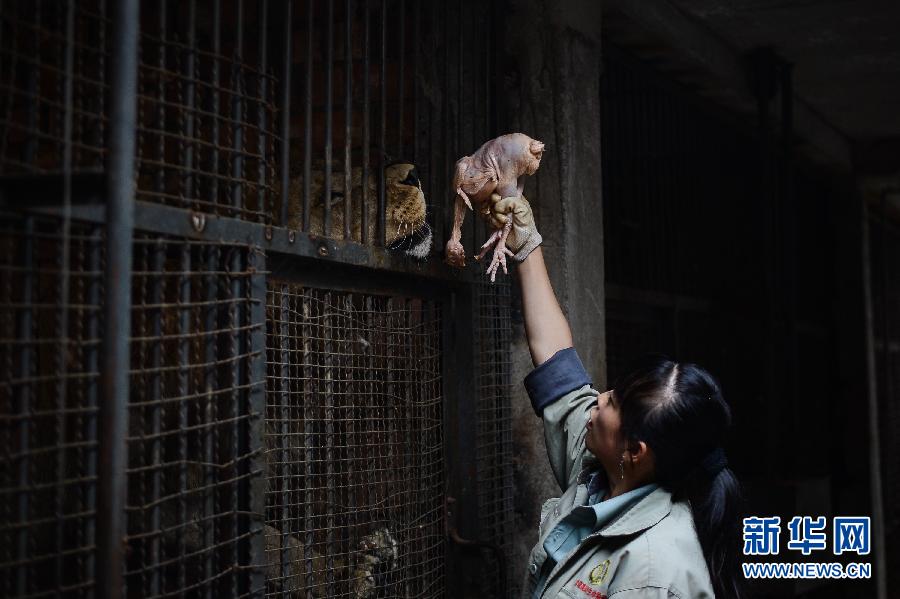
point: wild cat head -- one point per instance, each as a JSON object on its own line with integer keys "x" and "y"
{"x": 406, "y": 216}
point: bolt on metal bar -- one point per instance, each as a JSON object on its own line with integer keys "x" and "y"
{"x": 307, "y": 115}
{"x": 348, "y": 118}
{"x": 285, "y": 154}
{"x": 115, "y": 362}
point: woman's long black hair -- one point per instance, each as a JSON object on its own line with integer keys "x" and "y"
{"x": 677, "y": 409}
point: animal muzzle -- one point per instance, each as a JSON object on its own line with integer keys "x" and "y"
{"x": 417, "y": 244}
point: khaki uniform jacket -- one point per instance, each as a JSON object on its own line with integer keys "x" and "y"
{"x": 649, "y": 550}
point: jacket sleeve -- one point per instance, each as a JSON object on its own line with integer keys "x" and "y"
{"x": 561, "y": 394}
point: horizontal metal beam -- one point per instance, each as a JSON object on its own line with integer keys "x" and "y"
{"x": 170, "y": 220}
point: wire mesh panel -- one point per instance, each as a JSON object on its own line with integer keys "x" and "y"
{"x": 33, "y": 78}
{"x": 190, "y": 446}
{"x": 493, "y": 452}
{"x": 48, "y": 406}
{"x": 206, "y": 117}
{"x": 354, "y": 453}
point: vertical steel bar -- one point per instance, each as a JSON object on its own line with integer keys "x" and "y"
{"x": 401, "y": 83}
{"x": 255, "y": 423}
{"x": 29, "y": 148}
{"x": 261, "y": 99}
{"x": 214, "y": 101}
{"x": 237, "y": 113}
{"x": 382, "y": 125}
{"x": 417, "y": 49}
{"x": 307, "y": 398}
{"x": 328, "y": 372}
{"x": 117, "y": 308}
{"x": 187, "y": 132}
{"x": 155, "y": 392}
{"x": 394, "y": 472}
{"x": 348, "y": 118}
{"x": 329, "y": 118}
{"x": 288, "y": 57}
{"x": 236, "y": 352}
{"x": 23, "y": 401}
{"x": 444, "y": 172}
{"x": 92, "y": 332}
{"x": 210, "y": 438}
{"x": 307, "y": 115}
{"x": 184, "y": 369}
{"x": 160, "y": 179}
{"x": 350, "y": 393}
{"x": 64, "y": 283}
{"x": 281, "y": 472}
{"x": 364, "y": 204}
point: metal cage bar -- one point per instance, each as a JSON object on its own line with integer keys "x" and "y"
{"x": 291, "y": 443}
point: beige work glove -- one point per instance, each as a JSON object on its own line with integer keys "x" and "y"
{"x": 524, "y": 236}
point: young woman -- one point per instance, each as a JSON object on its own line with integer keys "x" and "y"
{"x": 649, "y": 508}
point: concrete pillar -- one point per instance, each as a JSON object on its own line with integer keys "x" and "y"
{"x": 551, "y": 67}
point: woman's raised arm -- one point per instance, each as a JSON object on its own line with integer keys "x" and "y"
{"x": 545, "y": 325}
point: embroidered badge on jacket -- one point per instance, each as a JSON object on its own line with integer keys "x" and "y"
{"x": 598, "y": 574}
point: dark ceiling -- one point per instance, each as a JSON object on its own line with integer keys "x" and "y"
{"x": 846, "y": 53}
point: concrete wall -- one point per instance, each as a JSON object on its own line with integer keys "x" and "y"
{"x": 551, "y": 63}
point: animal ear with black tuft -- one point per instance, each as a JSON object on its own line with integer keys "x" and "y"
{"x": 497, "y": 167}
{"x": 407, "y": 230}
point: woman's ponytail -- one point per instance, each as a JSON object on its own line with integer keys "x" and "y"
{"x": 678, "y": 410}
{"x": 717, "y": 508}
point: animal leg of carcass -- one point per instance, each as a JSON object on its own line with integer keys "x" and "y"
{"x": 454, "y": 252}
{"x": 500, "y": 252}
{"x": 490, "y": 243}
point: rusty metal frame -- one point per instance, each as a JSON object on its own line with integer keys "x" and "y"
{"x": 101, "y": 200}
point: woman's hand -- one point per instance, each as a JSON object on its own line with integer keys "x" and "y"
{"x": 545, "y": 325}
{"x": 523, "y": 237}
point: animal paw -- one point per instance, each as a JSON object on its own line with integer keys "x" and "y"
{"x": 455, "y": 254}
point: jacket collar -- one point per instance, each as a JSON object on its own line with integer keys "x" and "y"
{"x": 642, "y": 515}
{"x": 645, "y": 513}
